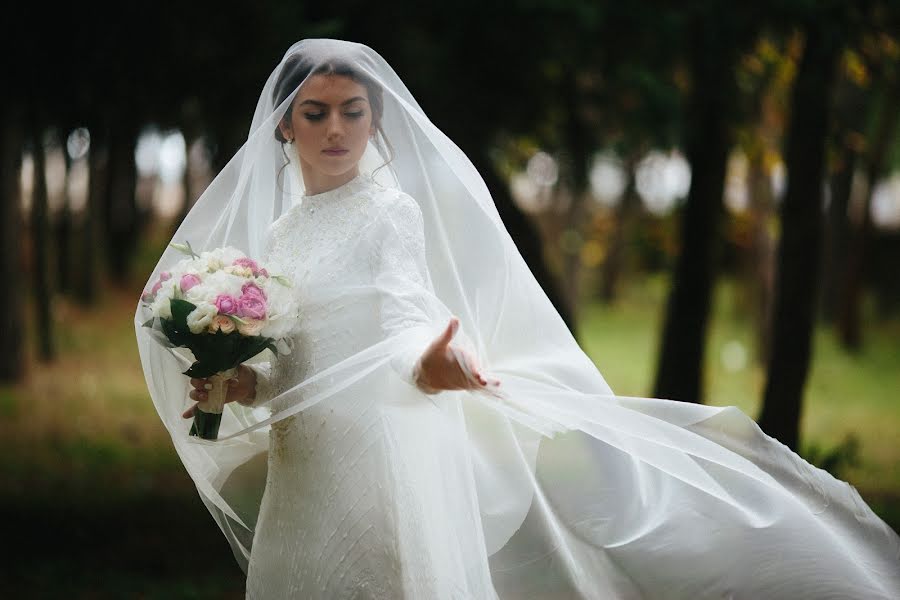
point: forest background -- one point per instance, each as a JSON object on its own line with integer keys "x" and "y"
{"x": 709, "y": 192}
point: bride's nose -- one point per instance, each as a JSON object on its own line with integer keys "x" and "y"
{"x": 335, "y": 127}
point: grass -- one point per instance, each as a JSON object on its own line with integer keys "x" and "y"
{"x": 103, "y": 508}
{"x": 846, "y": 394}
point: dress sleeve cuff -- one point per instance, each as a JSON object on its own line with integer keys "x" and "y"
{"x": 264, "y": 388}
{"x": 405, "y": 360}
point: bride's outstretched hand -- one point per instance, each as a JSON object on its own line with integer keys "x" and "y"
{"x": 439, "y": 369}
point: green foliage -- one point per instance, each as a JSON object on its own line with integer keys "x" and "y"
{"x": 9, "y": 406}
{"x": 838, "y": 458}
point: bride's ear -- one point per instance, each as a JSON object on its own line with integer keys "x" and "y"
{"x": 285, "y": 129}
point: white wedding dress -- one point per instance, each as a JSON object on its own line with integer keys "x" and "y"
{"x": 338, "y": 519}
{"x": 368, "y": 497}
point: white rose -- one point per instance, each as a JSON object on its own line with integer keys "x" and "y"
{"x": 200, "y": 293}
{"x": 250, "y": 327}
{"x": 199, "y": 318}
{"x": 221, "y": 282}
{"x": 161, "y": 306}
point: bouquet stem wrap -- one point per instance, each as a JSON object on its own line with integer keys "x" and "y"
{"x": 208, "y": 415}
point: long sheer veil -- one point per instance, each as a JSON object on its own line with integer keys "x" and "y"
{"x": 562, "y": 485}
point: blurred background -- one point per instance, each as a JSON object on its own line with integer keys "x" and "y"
{"x": 709, "y": 192}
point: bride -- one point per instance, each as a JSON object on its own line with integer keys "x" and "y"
{"x": 435, "y": 431}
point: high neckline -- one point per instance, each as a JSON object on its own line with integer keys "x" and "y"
{"x": 345, "y": 190}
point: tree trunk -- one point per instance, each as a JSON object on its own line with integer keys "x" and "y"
{"x": 121, "y": 206}
{"x": 92, "y": 245}
{"x": 616, "y": 255}
{"x": 852, "y": 109}
{"x": 62, "y": 229}
{"x": 759, "y": 260}
{"x": 837, "y": 235}
{"x": 186, "y": 184}
{"x": 575, "y": 168}
{"x": 40, "y": 238}
{"x": 801, "y": 233}
{"x": 12, "y": 302}
{"x": 850, "y": 319}
{"x": 679, "y": 374}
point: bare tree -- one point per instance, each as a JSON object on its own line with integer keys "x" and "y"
{"x": 90, "y": 225}
{"x": 849, "y": 309}
{"x": 12, "y": 303}
{"x": 801, "y": 233}
{"x": 40, "y": 242}
{"x": 679, "y": 374}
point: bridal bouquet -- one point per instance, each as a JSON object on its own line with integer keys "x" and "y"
{"x": 225, "y": 308}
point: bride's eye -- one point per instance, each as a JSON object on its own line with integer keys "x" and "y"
{"x": 356, "y": 115}
{"x": 314, "y": 116}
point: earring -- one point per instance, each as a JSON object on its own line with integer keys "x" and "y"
{"x": 290, "y": 141}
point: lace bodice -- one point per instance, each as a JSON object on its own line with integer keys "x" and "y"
{"x": 328, "y": 525}
{"x": 317, "y": 244}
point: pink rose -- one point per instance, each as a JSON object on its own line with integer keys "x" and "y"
{"x": 147, "y": 297}
{"x": 263, "y": 273}
{"x": 251, "y": 289}
{"x": 249, "y": 263}
{"x": 165, "y": 276}
{"x": 252, "y": 306}
{"x": 226, "y": 305}
{"x": 188, "y": 281}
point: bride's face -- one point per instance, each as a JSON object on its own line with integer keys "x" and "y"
{"x": 330, "y": 112}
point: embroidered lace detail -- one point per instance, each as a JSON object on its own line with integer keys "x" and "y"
{"x": 328, "y": 526}
{"x": 346, "y": 190}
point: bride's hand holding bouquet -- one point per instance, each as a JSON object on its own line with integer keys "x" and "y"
{"x": 226, "y": 308}
{"x": 241, "y": 389}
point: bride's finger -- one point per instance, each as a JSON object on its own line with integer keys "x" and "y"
{"x": 443, "y": 339}
{"x": 201, "y": 383}
{"x": 467, "y": 364}
{"x": 474, "y": 369}
{"x": 189, "y": 412}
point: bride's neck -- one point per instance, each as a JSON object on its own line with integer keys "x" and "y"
{"x": 317, "y": 182}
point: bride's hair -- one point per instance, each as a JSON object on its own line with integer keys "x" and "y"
{"x": 296, "y": 69}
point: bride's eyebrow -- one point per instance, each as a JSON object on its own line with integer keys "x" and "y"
{"x": 320, "y": 103}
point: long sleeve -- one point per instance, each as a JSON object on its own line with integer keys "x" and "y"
{"x": 265, "y": 388}
{"x": 264, "y": 385}
{"x": 407, "y": 301}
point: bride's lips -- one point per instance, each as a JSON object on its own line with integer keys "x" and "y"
{"x": 335, "y": 151}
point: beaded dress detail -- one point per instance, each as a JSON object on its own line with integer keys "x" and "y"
{"x": 328, "y": 524}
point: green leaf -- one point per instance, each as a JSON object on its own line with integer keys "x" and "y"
{"x": 254, "y": 346}
{"x": 282, "y": 280}
{"x": 180, "y": 310}
{"x": 179, "y": 337}
{"x": 185, "y": 248}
